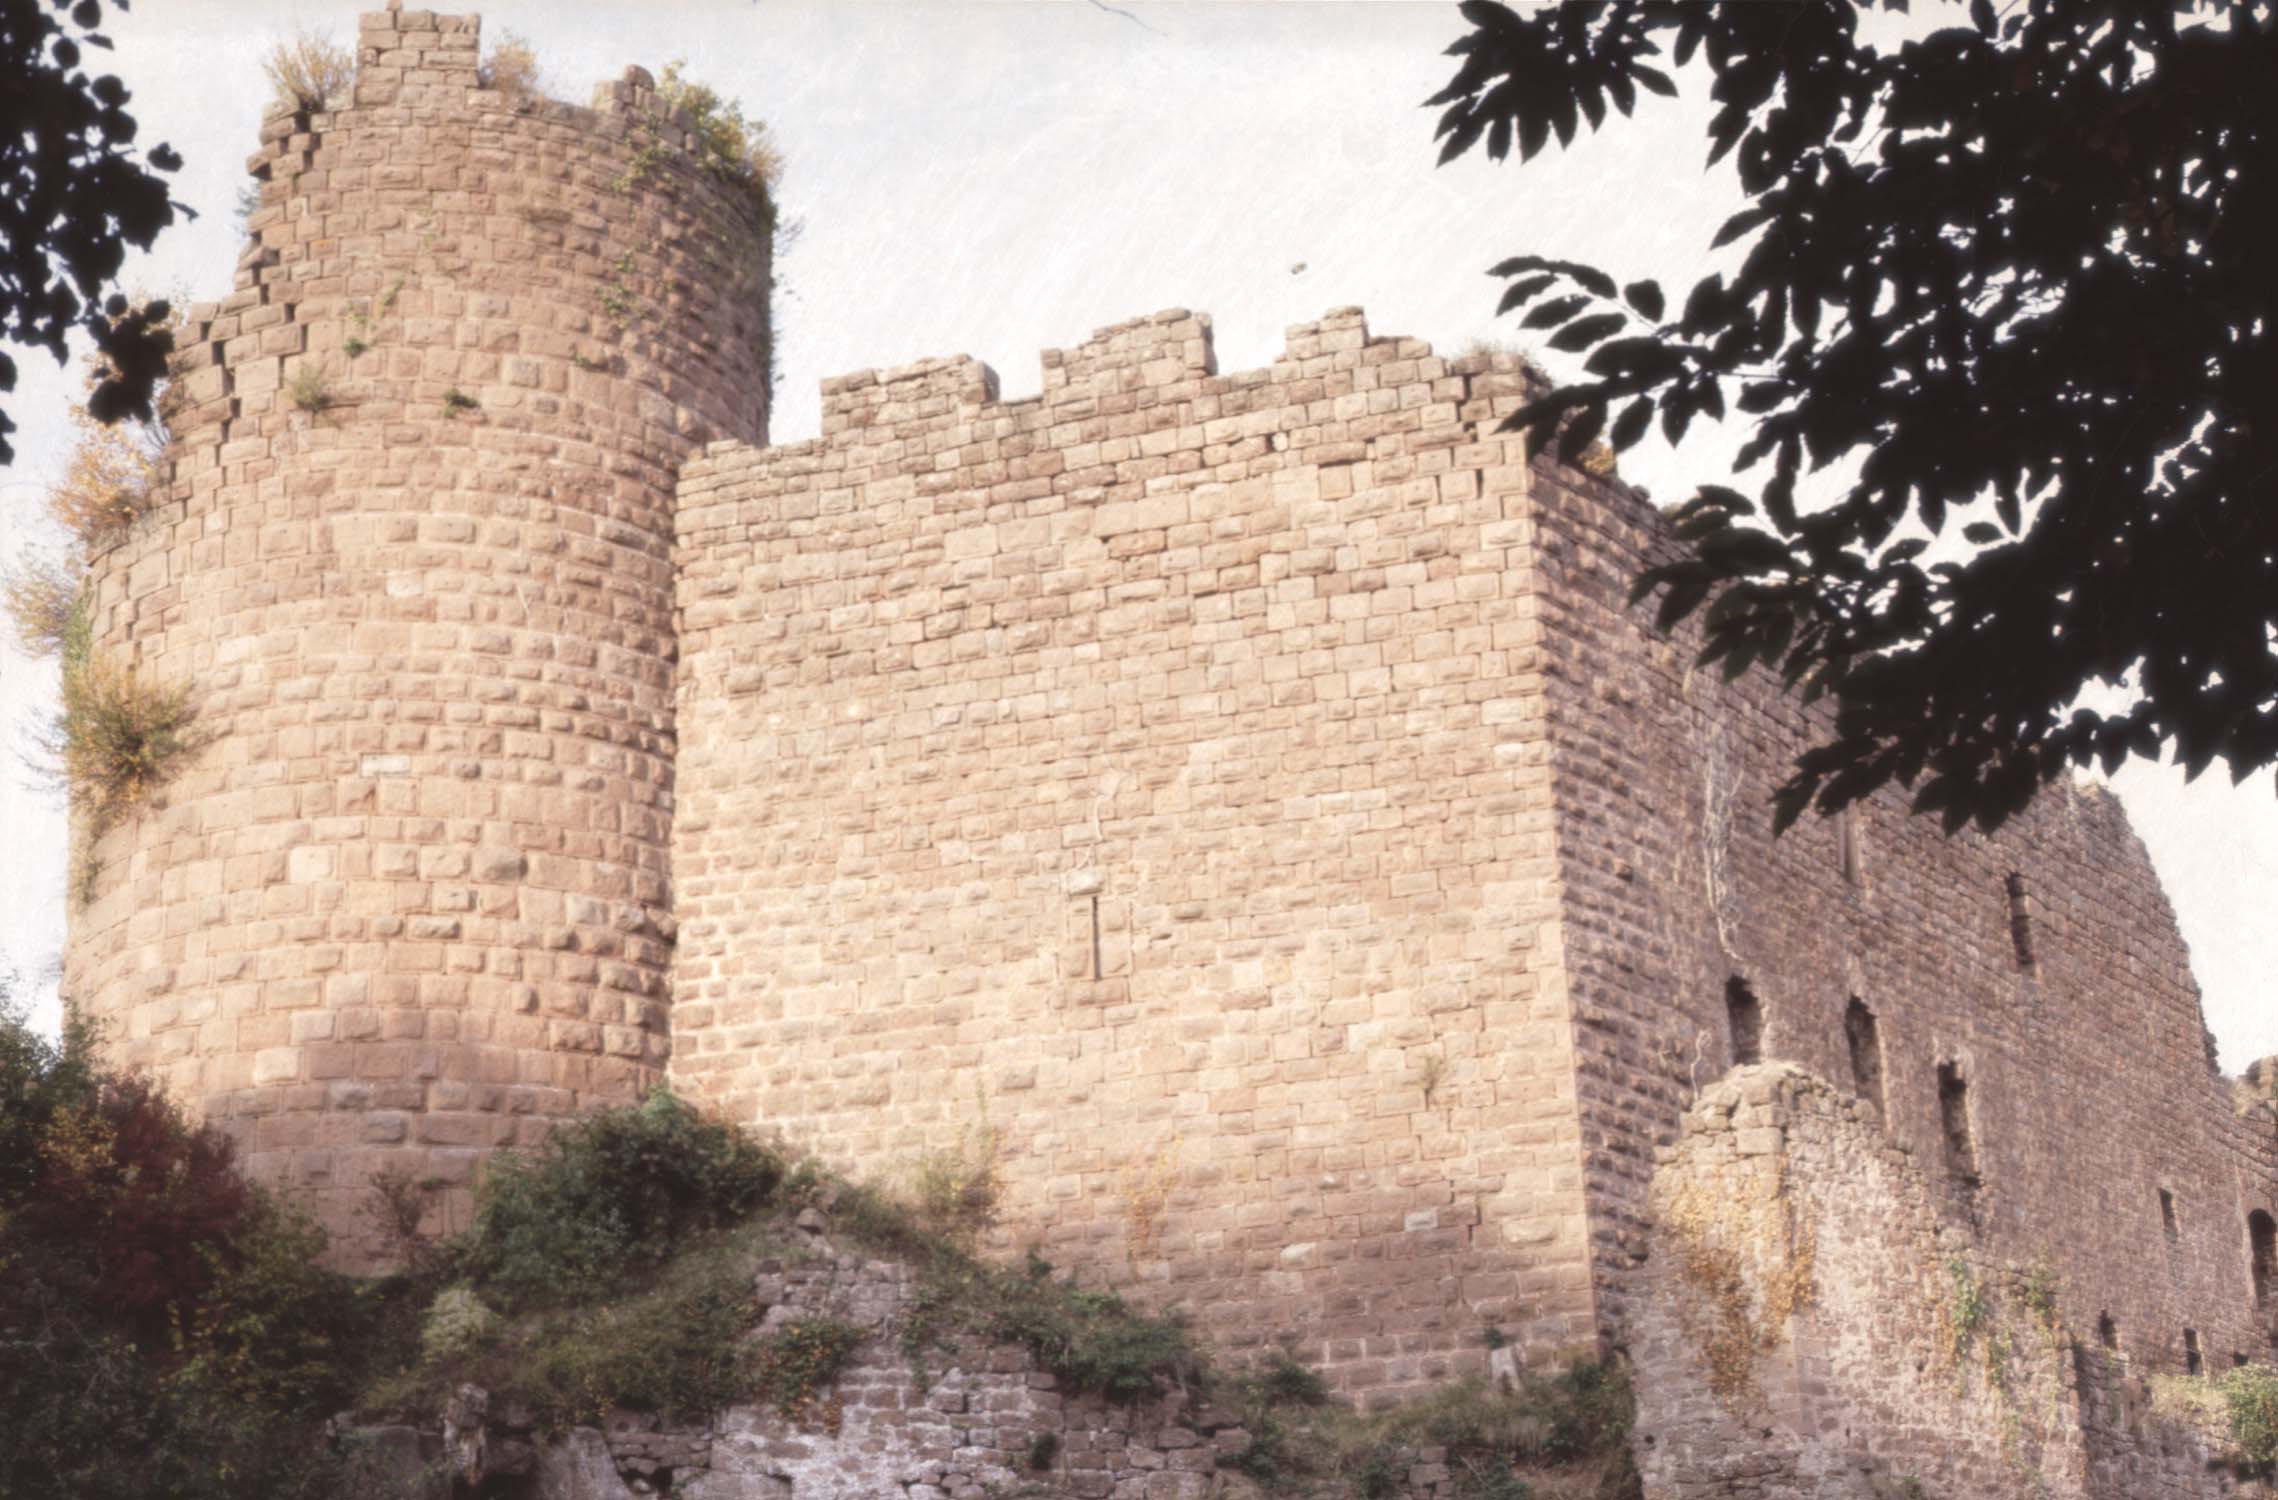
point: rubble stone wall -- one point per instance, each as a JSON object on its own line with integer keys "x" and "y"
{"x": 1808, "y": 1323}
{"x": 1151, "y": 775}
{"x": 965, "y": 1419}
{"x": 410, "y": 894}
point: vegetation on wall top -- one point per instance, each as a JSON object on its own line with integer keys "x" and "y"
{"x": 310, "y": 72}
{"x": 512, "y": 68}
{"x": 729, "y": 145}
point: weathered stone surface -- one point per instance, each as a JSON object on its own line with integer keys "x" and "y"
{"x": 578, "y": 1467}
{"x": 1803, "y": 1326}
{"x": 1286, "y": 805}
{"x": 969, "y": 1427}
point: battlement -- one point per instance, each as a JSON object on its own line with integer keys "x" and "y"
{"x": 1167, "y": 349}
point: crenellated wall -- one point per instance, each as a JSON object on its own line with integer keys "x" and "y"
{"x": 412, "y": 893}
{"x": 1151, "y": 772}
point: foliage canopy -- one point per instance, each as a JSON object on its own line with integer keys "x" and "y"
{"x": 2016, "y": 272}
{"x": 74, "y": 196}
{"x": 164, "y": 1326}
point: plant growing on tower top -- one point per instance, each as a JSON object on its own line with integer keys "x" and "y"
{"x": 736, "y": 148}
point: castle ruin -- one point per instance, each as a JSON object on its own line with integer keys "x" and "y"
{"x": 1249, "y": 798}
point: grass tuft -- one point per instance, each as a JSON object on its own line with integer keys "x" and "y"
{"x": 120, "y": 734}
{"x": 512, "y": 68}
{"x": 728, "y": 144}
{"x": 117, "y": 470}
{"x": 957, "y": 1187}
{"x": 309, "y": 390}
{"x": 309, "y": 71}
{"x": 41, "y": 592}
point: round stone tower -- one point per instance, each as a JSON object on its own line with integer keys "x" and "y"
{"x": 406, "y": 901}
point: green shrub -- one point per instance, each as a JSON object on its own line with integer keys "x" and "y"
{"x": 1282, "y": 1381}
{"x": 870, "y": 1215}
{"x": 458, "y": 1323}
{"x": 1092, "y": 1341}
{"x": 2250, "y": 1397}
{"x": 165, "y": 1329}
{"x": 276, "y": 1331}
{"x": 1574, "y": 1421}
{"x": 792, "y": 1365}
{"x": 676, "y": 1347}
{"x": 614, "y": 1190}
{"x": 116, "y": 1201}
{"x": 119, "y": 738}
{"x": 1377, "y": 1471}
{"x": 39, "y": 1078}
{"x": 738, "y": 149}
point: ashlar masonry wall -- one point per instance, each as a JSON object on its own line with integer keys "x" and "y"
{"x": 408, "y": 899}
{"x": 1151, "y": 775}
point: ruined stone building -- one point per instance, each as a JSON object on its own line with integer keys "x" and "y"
{"x": 1249, "y": 798}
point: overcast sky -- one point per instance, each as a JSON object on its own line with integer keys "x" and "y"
{"x": 997, "y": 179}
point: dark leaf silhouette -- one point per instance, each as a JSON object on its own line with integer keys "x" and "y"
{"x": 2015, "y": 272}
{"x": 73, "y": 198}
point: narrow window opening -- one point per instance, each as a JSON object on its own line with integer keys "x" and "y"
{"x": 2167, "y": 1212}
{"x": 1095, "y": 936}
{"x": 1961, "y": 1145}
{"x": 1745, "y": 1014}
{"x": 2107, "y": 1331}
{"x": 2021, "y": 923}
{"x": 1865, "y": 1037}
{"x": 2262, "y": 1248}
{"x": 1848, "y": 850}
{"x": 2192, "y": 1363}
